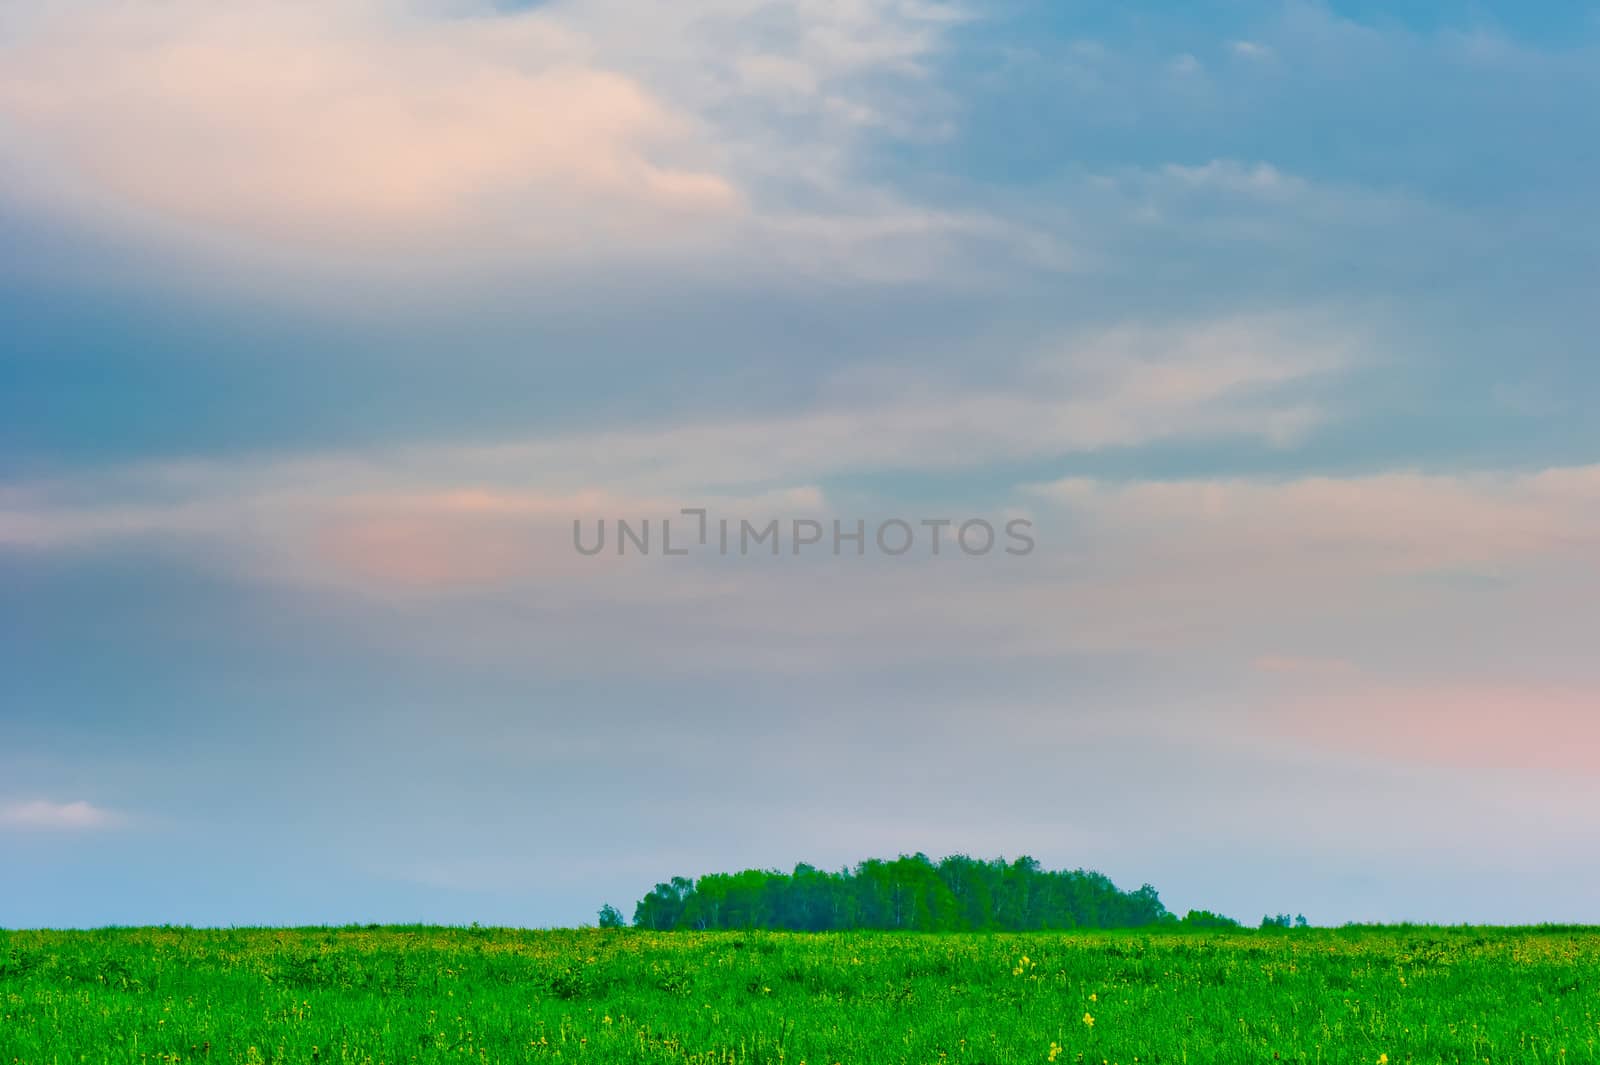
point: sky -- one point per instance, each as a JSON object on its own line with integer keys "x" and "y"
{"x": 324, "y": 326}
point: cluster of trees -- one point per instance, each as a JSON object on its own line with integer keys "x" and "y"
{"x": 1283, "y": 920}
{"x": 910, "y": 893}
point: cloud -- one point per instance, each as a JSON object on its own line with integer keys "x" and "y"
{"x": 457, "y": 541}
{"x": 1202, "y": 206}
{"x": 467, "y": 547}
{"x": 1302, "y": 585}
{"x": 1304, "y": 666}
{"x": 1276, "y": 589}
{"x": 1487, "y": 725}
{"x": 47, "y": 816}
{"x": 1186, "y": 65}
{"x": 469, "y": 134}
{"x": 1284, "y": 578}
{"x": 1229, "y": 175}
{"x": 348, "y": 121}
{"x": 1258, "y": 378}
{"x": 1332, "y": 527}
{"x": 1405, "y": 574}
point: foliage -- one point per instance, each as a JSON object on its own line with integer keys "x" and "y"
{"x": 1283, "y": 920}
{"x": 1207, "y": 919}
{"x": 908, "y": 894}
{"x": 1166, "y": 994}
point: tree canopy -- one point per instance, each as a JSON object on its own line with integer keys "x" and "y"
{"x": 911, "y": 893}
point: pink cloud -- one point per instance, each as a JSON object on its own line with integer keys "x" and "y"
{"x": 1456, "y": 724}
{"x": 46, "y": 816}
{"x": 1303, "y": 666}
{"x": 421, "y": 552}
{"x": 1376, "y": 524}
{"x": 306, "y": 124}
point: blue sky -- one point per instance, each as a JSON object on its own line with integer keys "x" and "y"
{"x": 323, "y": 324}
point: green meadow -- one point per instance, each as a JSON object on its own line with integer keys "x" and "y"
{"x": 415, "y": 994}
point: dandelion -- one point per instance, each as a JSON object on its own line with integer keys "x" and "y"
{"x": 1055, "y": 1051}
{"x": 1088, "y": 1020}
{"x": 1093, "y": 997}
{"x": 1383, "y": 1059}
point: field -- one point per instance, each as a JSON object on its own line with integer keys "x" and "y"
{"x": 434, "y": 995}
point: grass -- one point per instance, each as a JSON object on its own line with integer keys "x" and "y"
{"x": 433, "y": 995}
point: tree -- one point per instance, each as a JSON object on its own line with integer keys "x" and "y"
{"x": 1207, "y": 919}
{"x": 910, "y": 893}
{"x": 611, "y": 917}
{"x": 663, "y": 908}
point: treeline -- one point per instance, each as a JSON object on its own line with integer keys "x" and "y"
{"x": 910, "y": 893}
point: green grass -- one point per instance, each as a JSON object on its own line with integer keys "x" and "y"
{"x": 434, "y": 995}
